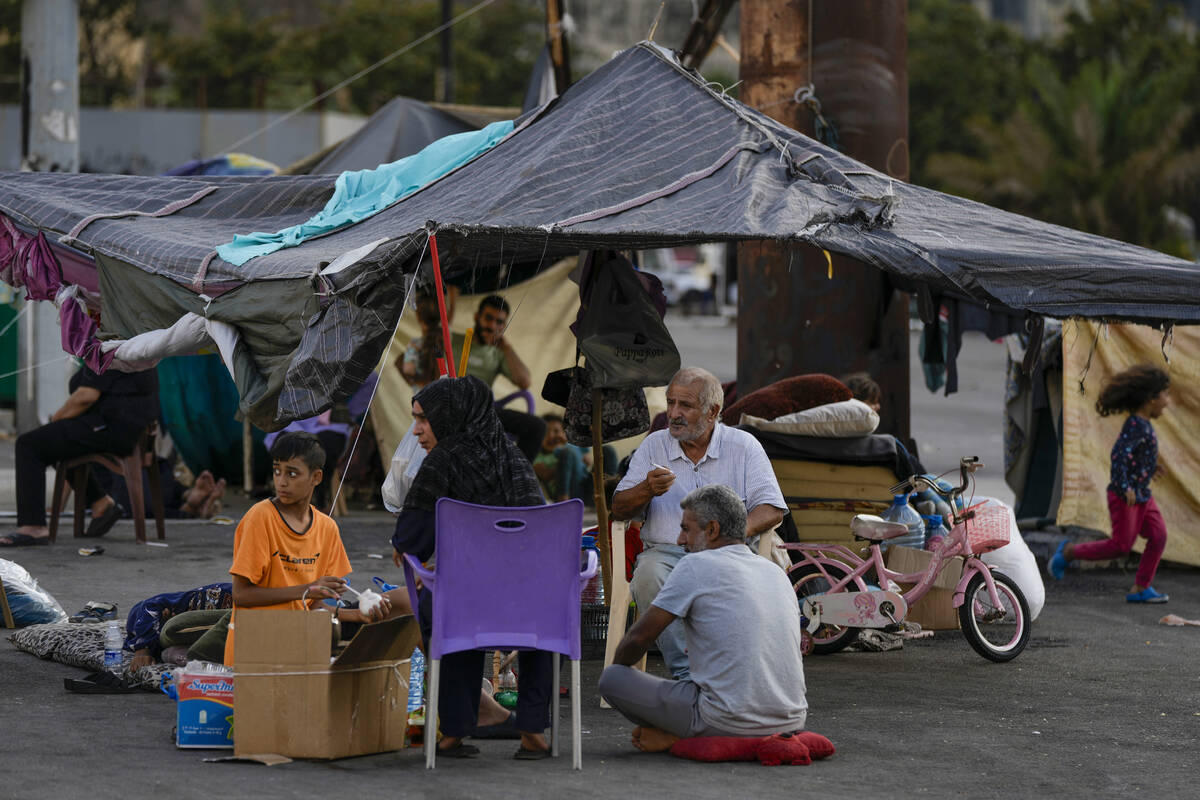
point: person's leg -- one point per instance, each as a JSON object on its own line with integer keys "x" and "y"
{"x": 1125, "y": 524}
{"x": 44, "y": 447}
{"x": 1155, "y": 532}
{"x": 210, "y": 646}
{"x": 190, "y": 626}
{"x": 650, "y": 701}
{"x": 458, "y": 694}
{"x": 536, "y": 668}
{"x": 653, "y": 566}
{"x": 529, "y": 430}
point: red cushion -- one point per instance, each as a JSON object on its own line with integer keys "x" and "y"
{"x": 716, "y": 748}
{"x": 818, "y": 746}
{"x": 782, "y": 748}
{"x": 797, "y": 749}
{"x": 787, "y": 396}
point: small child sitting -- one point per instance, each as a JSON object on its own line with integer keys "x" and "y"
{"x": 286, "y": 553}
{"x": 565, "y": 470}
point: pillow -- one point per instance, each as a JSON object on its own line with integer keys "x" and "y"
{"x": 80, "y": 645}
{"x": 787, "y": 396}
{"x": 796, "y": 749}
{"x": 839, "y": 420}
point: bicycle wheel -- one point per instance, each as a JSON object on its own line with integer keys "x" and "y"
{"x": 808, "y": 581}
{"x": 996, "y": 633}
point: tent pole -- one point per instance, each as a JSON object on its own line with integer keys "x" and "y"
{"x": 441, "y": 298}
{"x": 606, "y": 567}
{"x": 247, "y": 457}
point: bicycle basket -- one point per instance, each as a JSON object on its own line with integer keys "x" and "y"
{"x": 988, "y": 529}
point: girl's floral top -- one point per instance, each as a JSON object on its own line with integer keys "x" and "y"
{"x": 1134, "y": 458}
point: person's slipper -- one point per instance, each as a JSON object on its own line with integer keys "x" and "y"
{"x": 524, "y": 754}
{"x": 502, "y": 730}
{"x": 23, "y": 540}
{"x": 103, "y": 524}
{"x": 459, "y": 750}
{"x": 99, "y": 683}
{"x": 95, "y": 611}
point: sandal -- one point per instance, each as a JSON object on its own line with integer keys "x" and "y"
{"x": 95, "y": 611}
{"x": 103, "y": 524}
{"x": 99, "y": 683}
{"x": 524, "y": 754}
{"x": 501, "y": 730}
{"x": 23, "y": 540}
{"x": 459, "y": 750}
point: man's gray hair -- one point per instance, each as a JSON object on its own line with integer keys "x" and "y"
{"x": 720, "y": 504}
{"x": 711, "y": 393}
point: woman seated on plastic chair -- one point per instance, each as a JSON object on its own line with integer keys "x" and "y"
{"x": 469, "y": 458}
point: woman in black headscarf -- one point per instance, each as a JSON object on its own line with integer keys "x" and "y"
{"x": 469, "y": 458}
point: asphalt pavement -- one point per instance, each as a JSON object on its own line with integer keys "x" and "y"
{"x": 1103, "y": 703}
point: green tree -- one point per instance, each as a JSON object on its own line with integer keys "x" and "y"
{"x": 1100, "y": 148}
{"x": 961, "y": 68}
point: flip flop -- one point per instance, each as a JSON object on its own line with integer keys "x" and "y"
{"x": 23, "y": 540}
{"x": 103, "y": 524}
{"x": 523, "y": 754}
{"x": 99, "y": 683}
{"x": 459, "y": 750}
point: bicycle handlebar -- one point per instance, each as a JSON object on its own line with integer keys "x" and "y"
{"x": 916, "y": 483}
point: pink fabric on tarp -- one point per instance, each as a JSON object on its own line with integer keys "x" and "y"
{"x": 12, "y": 241}
{"x": 79, "y": 335}
{"x": 42, "y": 274}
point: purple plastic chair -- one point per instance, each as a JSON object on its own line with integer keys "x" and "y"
{"x": 505, "y": 578}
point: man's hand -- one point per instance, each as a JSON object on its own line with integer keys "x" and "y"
{"x": 643, "y": 633}
{"x": 328, "y": 586}
{"x": 659, "y": 480}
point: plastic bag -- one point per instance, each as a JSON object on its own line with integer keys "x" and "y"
{"x": 30, "y": 605}
{"x": 1017, "y": 562}
{"x": 406, "y": 461}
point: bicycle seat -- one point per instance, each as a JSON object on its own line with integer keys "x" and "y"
{"x": 876, "y": 529}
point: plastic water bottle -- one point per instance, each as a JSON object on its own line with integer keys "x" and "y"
{"x": 113, "y": 644}
{"x": 416, "y": 681}
{"x": 935, "y": 531}
{"x": 593, "y": 591}
{"x": 900, "y": 511}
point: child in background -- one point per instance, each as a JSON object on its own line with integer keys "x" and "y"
{"x": 1142, "y": 392}
{"x": 419, "y": 364}
{"x": 286, "y": 553}
{"x": 565, "y": 470}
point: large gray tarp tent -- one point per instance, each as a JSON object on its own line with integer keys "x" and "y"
{"x": 640, "y": 154}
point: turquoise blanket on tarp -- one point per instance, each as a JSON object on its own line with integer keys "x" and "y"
{"x": 358, "y": 195}
{"x": 199, "y": 404}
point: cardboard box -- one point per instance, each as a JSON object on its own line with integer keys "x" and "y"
{"x": 204, "y": 712}
{"x": 935, "y": 611}
{"x": 290, "y": 700}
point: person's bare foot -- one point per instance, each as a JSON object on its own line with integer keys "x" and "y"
{"x": 652, "y": 740}
{"x": 212, "y": 503}
{"x": 204, "y": 482}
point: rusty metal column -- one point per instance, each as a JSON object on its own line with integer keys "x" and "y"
{"x": 792, "y": 318}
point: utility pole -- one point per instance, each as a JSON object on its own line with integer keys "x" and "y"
{"x": 793, "y": 318}
{"x": 445, "y": 73}
{"x": 49, "y": 143}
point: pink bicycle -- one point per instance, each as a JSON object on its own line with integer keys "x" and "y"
{"x": 837, "y": 600}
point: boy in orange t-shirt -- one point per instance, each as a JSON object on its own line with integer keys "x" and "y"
{"x": 286, "y": 553}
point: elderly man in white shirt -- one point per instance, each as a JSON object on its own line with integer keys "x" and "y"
{"x": 695, "y": 450}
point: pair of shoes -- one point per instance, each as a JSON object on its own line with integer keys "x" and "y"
{"x": 459, "y": 750}
{"x": 501, "y": 730}
{"x": 1057, "y": 564}
{"x": 23, "y": 540}
{"x": 1147, "y": 595}
{"x": 523, "y": 754}
{"x": 95, "y": 611}
{"x": 99, "y": 683}
{"x": 103, "y": 524}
